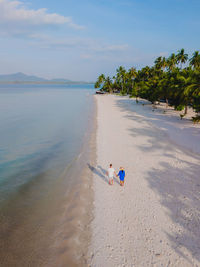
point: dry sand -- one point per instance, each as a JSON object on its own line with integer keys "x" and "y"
{"x": 154, "y": 220}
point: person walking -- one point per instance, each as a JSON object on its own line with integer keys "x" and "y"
{"x": 121, "y": 175}
{"x": 110, "y": 173}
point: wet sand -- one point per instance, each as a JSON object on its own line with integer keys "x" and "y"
{"x": 154, "y": 219}
{"x": 71, "y": 248}
{"x": 52, "y": 218}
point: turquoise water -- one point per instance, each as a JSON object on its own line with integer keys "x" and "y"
{"x": 41, "y": 128}
{"x": 42, "y": 132}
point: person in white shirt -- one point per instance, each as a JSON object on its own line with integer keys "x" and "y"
{"x": 110, "y": 173}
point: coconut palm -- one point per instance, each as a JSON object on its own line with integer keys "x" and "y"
{"x": 195, "y": 90}
{"x": 195, "y": 60}
{"x": 165, "y": 85}
{"x": 185, "y": 80}
{"x": 181, "y": 57}
{"x": 121, "y": 78}
{"x": 164, "y": 63}
{"x": 100, "y": 81}
{"x": 144, "y": 74}
{"x": 108, "y": 85}
{"x": 158, "y": 63}
{"x": 181, "y": 86}
{"x": 131, "y": 75}
{"x": 172, "y": 61}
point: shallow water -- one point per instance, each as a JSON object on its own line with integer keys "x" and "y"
{"x": 42, "y": 132}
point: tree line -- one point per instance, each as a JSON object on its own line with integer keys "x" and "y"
{"x": 175, "y": 80}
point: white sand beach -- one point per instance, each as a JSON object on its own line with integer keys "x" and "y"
{"x": 154, "y": 220}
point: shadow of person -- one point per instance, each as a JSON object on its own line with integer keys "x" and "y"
{"x": 116, "y": 180}
{"x": 98, "y": 171}
{"x": 104, "y": 172}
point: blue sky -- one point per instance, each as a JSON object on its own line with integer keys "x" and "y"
{"x": 81, "y": 39}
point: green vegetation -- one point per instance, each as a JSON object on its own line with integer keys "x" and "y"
{"x": 196, "y": 119}
{"x": 166, "y": 80}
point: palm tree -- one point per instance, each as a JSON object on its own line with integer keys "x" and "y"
{"x": 158, "y": 63}
{"x": 181, "y": 86}
{"x": 195, "y": 90}
{"x": 131, "y": 75}
{"x": 145, "y": 73}
{"x": 165, "y": 87}
{"x": 195, "y": 60}
{"x": 100, "y": 81}
{"x": 121, "y": 78}
{"x": 184, "y": 79}
{"x": 164, "y": 63}
{"x": 108, "y": 85}
{"x": 172, "y": 61}
{"x": 182, "y": 57}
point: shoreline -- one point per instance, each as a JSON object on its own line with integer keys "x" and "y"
{"x": 82, "y": 204}
{"x": 87, "y": 191}
{"x": 153, "y": 219}
{"x": 54, "y": 229}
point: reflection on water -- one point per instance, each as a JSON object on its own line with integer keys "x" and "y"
{"x": 42, "y": 132}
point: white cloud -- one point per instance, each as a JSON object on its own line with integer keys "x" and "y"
{"x": 17, "y": 17}
{"x": 87, "y": 45}
{"x": 110, "y": 48}
{"x": 163, "y": 54}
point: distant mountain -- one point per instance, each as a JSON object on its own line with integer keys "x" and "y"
{"x": 20, "y": 77}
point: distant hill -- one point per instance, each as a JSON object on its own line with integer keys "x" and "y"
{"x": 20, "y": 77}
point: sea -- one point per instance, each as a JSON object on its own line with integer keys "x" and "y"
{"x": 44, "y": 136}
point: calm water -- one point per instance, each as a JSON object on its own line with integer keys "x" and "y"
{"x": 42, "y": 129}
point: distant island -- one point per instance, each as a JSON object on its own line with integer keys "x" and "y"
{"x": 22, "y": 78}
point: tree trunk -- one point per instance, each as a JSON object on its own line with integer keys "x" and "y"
{"x": 167, "y": 102}
{"x": 132, "y": 88}
{"x": 186, "y": 109}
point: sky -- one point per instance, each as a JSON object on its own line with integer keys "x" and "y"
{"x": 79, "y": 40}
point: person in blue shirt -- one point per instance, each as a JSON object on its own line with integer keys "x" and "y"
{"x": 121, "y": 175}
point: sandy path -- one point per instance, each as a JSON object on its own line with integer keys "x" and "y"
{"x": 155, "y": 219}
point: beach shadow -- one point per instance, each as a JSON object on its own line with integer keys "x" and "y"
{"x": 179, "y": 193}
{"x": 168, "y": 122}
{"x": 176, "y": 181}
{"x": 116, "y": 180}
{"x": 104, "y": 171}
{"x": 98, "y": 171}
{"x": 101, "y": 172}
